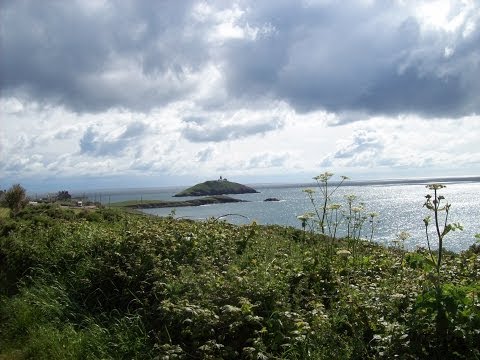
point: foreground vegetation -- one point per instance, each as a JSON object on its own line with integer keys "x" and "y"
{"x": 113, "y": 285}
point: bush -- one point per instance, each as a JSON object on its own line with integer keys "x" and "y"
{"x": 16, "y": 198}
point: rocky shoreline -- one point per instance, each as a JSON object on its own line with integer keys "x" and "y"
{"x": 217, "y": 199}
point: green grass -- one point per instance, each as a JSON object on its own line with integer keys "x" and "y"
{"x": 4, "y": 213}
{"x": 112, "y": 285}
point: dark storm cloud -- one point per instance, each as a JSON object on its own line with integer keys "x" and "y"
{"x": 372, "y": 59}
{"x": 65, "y": 53}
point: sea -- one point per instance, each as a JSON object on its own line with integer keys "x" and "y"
{"x": 399, "y": 205}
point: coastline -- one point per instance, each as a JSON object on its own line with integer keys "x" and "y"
{"x": 149, "y": 204}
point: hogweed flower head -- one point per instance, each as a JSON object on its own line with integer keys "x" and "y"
{"x": 344, "y": 252}
{"x": 309, "y": 191}
{"x": 403, "y": 235}
{"x": 357, "y": 209}
{"x": 323, "y": 177}
{"x": 334, "y": 206}
{"x": 350, "y": 198}
{"x": 305, "y": 217}
{"x": 435, "y": 186}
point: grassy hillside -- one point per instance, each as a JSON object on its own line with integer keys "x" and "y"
{"x": 216, "y": 187}
{"x": 111, "y": 285}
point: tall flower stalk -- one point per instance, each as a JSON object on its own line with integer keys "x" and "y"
{"x": 322, "y": 181}
{"x": 434, "y": 203}
{"x": 372, "y": 215}
{"x": 350, "y": 200}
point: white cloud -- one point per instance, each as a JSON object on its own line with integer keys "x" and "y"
{"x": 119, "y": 143}
{"x": 423, "y": 146}
{"x": 192, "y": 88}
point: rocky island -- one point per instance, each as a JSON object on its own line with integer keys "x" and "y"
{"x": 216, "y": 187}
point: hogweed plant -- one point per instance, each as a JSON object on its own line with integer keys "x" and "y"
{"x": 399, "y": 241}
{"x": 434, "y": 203}
{"x": 350, "y": 201}
{"x": 329, "y": 218}
{"x": 372, "y": 221}
{"x": 327, "y": 192}
{"x": 358, "y": 219}
{"x": 399, "y": 245}
{"x": 326, "y": 217}
{"x": 306, "y": 221}
{"x": 334, "y": 219}
{"x": 441, "y": 210}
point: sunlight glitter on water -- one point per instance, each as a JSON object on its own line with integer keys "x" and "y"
{"x": 400, "y": 208}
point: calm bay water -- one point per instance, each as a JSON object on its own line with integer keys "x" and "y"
{"x": 399, "y": 207}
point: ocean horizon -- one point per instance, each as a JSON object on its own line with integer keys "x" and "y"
{"x": 362, "y": 182}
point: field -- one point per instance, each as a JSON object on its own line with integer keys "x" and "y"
{"x": 114, "y": 285}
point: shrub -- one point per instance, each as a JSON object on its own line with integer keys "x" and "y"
{"x": 16, "y": 198}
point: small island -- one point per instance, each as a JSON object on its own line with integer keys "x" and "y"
{"x": 148, "y": 204}
{"x": 216, "y": 187}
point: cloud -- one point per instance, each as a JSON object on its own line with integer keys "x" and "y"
{"x": 132, "y": 55}
{"x": 205, "y": 154}
{"x": 97, "y": 88}
{"x": 405, "y": 143}
{"x": 368, "y": 57}
{"x": 373, "y": 59}
{"x": 364, "y": 148}
{"x": 96, "y": 143}
{"x": 361, "y": 142}
{"x": 64, "y": 134}
{"x": 266, "y": 160}
{"x": 222, "y": 131}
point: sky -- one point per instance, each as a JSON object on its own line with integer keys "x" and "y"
{"x": 114, "y": 94}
